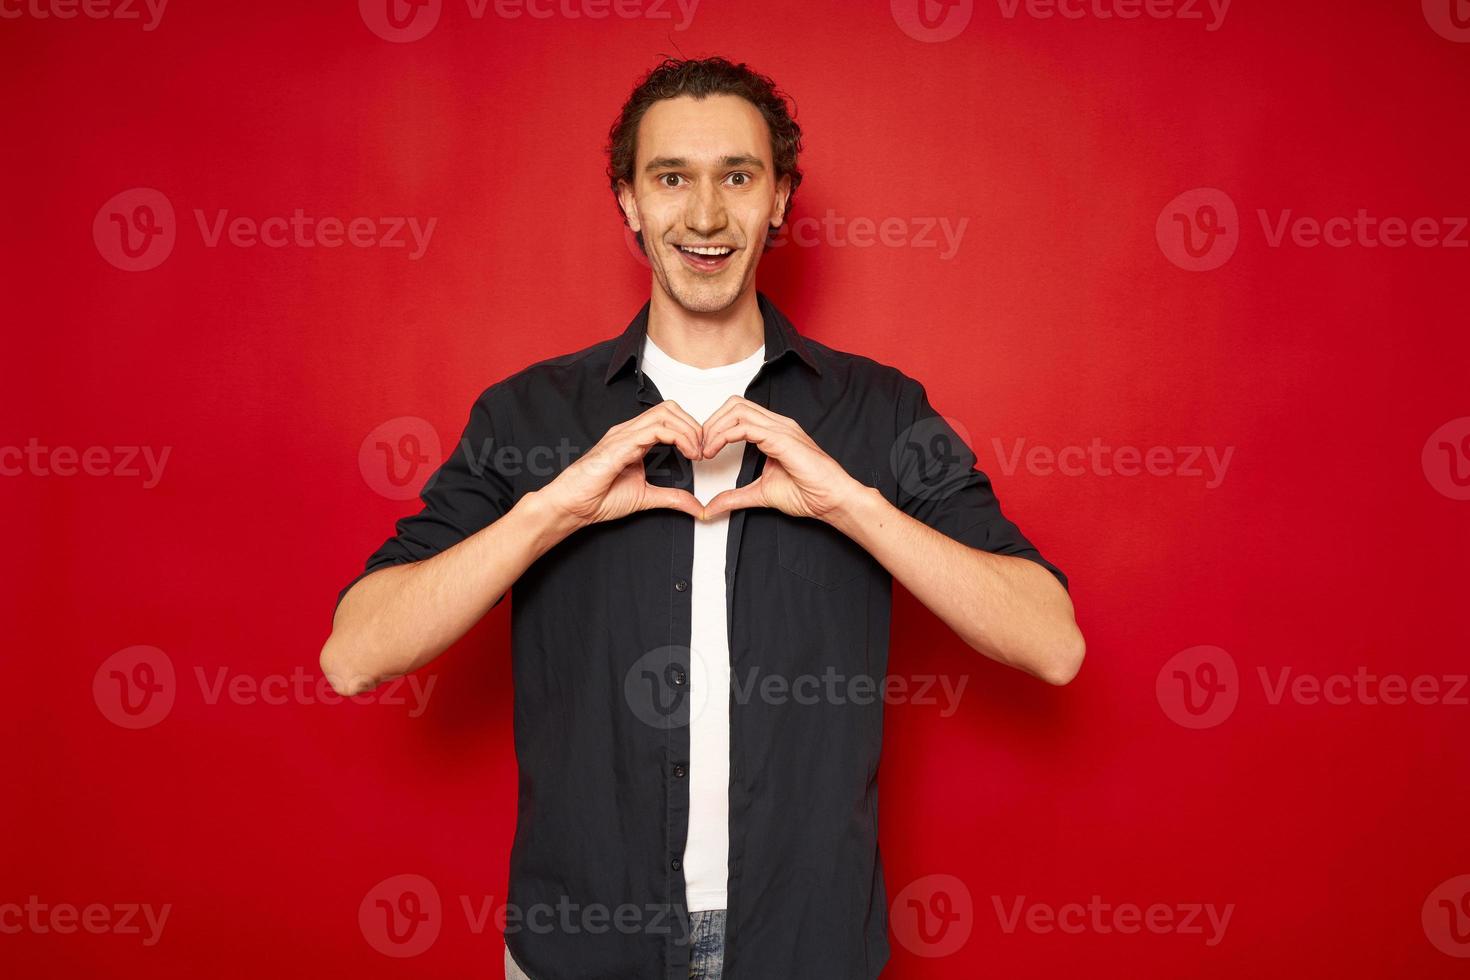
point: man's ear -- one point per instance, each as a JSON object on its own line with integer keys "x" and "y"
{"x": 629, "y": 204}
{"x": 783, "y": 193}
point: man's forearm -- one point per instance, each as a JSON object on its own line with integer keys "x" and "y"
{"x": 399, "y": 618}
{"x": 1010, "y": 609}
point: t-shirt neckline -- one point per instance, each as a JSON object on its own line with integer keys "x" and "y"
{"x": 661, "y": 360}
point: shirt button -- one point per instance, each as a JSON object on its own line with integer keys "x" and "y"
{"x": 678, "y": 677}
{"x": 676, "y": 864}
{"x": 682, "y": 585}
{"x": 679, "y": 772}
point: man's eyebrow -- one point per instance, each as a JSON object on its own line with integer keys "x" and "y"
{"x": 680, "y": 163}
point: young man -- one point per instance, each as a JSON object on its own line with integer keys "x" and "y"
{"x": 701, "y": 595}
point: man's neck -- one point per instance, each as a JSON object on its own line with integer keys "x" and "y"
{"x": 706, "y": 340}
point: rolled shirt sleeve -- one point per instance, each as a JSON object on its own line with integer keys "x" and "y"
{"x": 464, "y": 495}
{"x": 940, "y": 483}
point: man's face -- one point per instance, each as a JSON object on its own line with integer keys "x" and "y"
{"x": 704, "y": 177}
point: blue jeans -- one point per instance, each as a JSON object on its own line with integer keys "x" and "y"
{"x": 707, "y": 945}
{"x": 706, "y": 948}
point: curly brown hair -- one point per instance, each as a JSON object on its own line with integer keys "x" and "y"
{"x": 699, "y": 78}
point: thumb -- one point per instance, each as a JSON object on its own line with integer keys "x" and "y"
{"x": 672, "y": 498}
{"x": 749, "y": 495}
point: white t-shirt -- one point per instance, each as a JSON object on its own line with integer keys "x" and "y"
{"x": 700, "y": 391}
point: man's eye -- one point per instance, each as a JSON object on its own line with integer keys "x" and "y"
{"x": 743, "y": 178}
{"x": 665, "y": 178}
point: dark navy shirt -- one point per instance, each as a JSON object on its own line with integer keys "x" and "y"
{"x": 600, "y": 635}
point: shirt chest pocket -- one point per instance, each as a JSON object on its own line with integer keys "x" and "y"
{"x": 818, "y": 553}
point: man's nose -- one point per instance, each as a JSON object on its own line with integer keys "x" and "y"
{"x": 706, "y": 211}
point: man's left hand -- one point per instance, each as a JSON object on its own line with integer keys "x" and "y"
{"x": 799, "y": 478}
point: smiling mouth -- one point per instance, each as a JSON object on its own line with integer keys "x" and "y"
{"x": 705, "y": 258}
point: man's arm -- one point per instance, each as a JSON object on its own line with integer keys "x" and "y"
{"x": 1010, "y": 609}
{"x": 398, "y": 618}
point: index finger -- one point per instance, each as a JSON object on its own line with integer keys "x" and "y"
{"x": 737, "y": 401}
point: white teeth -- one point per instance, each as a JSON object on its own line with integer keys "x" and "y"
{"x": 714, "y": 250}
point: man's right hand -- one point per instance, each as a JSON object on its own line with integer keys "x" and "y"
{"x": 608, "y": 481}
{"x": 401, "y": 617}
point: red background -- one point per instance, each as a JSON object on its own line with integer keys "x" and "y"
{"x": 1060, "y": 320}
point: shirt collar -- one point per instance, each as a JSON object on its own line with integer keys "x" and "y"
{"x": 781, "y": 337}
